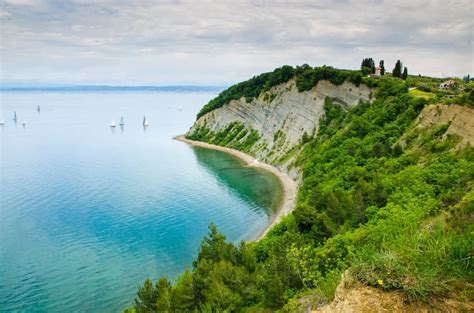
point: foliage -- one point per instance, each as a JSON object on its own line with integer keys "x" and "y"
{"x": 367, "y": 66}
{"x": 418, "y": 93}
{"x": 382, "y": 67}
{"x": 234, "y": 135}
{"x": 397, "y": 71}
{"x": 393, "y": 203}
{"x": 309, "y": 77}
{"x": 405, "y": 73}
{"x": 251, "y": 88}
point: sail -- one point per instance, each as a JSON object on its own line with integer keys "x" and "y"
{"x": 144, "y": 120}
{"x": 121, "y": 121}
{"x": 14, "y": 116}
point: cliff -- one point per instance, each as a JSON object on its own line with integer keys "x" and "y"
{"x": 385, "y": 192}
{"x": 280, "y": 117}
{"x": 272, "y": 127}
{"x": 459, "y": 121}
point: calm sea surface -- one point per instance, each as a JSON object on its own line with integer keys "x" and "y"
{"x": 88, "y": 212}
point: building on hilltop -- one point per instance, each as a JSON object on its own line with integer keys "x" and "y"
{"x": 447, "y": 84}
{"x": 378, "y": 71}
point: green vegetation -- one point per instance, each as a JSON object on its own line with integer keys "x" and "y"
{"x": 251, "y": 88}
{"x": 391, "y": 203}
{"x": 309, "y": 77}
{"x": 368, "y": 66}
{"x": 235, "y": 136}
{"x": 417, "y": 93}
{"x": 397, "y": 70}
{"x": 382, "y": 67}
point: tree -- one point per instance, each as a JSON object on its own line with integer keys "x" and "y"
{"x": 182, "y": 294}
{"x": 382, "y": 67}
{"x": 466, "y": 78}
{"x": 367, "y": 66}
{"x": 214, "y": 247}
{"x": 163, "y": 289}
{"x": 405, "y": 73}
{"x": 397, "y": 71}
{"x": 146, "y": 297}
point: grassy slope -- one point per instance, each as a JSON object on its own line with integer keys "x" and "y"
{"x": 399, "y": 216}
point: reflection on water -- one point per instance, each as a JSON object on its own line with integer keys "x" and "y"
{"x": 255, "y": 186}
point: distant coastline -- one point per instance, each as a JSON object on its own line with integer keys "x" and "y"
{"x": 289, "y": 186}
{"x": 9, "y": 87}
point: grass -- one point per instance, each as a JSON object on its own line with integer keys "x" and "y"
{"x": 422, "y": 94}
{"x": 425, "y": 260}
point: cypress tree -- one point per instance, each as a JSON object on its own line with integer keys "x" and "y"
{"x": 397, "y": 71}
{"x": 382, "y": 67}
{"x": 405, "y": 73}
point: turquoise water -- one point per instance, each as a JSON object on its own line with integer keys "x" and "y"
{"x": 88, "y": 212}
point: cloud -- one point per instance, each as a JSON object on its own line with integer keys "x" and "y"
{"x": 222, "y": 42}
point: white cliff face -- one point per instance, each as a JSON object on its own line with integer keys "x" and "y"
{"x": 282, "y": 115}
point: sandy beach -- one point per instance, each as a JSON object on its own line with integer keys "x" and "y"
{"x": 288, "y": 184}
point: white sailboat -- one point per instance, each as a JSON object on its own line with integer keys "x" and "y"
{"x": 2, "y": 122}
{"x": 112, "y": 124}
{"x": 121, "y": 121}
{"x": 145, "y": 121}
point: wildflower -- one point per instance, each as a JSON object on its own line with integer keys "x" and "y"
{"x": 380, "y": 281}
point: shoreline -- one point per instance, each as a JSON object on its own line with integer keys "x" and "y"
{"x": 289, "y": 186}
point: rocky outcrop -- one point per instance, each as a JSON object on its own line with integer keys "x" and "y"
{"x": 282, "y": 115}
{"x": 460, "y": 120}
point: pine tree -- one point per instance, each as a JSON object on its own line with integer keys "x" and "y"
{"x": 146, "y": 297}
{"x": 163, "y": 289}
{"x": 182, "y": 294}
{"x": 405, "y": 73}
{"x": 382, "y": 67}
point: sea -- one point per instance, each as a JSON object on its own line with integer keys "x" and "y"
{"x": 89, "y": 211}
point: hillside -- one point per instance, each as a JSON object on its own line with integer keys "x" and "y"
{"x": 386, "y": 194}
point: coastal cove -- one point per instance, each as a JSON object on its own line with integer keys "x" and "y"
{"x": 88, "y": 212}
{"x": 289, "y": 186}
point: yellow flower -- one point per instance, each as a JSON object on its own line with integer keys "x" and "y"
{"x": 380, "y": 281}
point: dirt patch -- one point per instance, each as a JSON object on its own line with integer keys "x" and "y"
{"x": 354, "y": 297}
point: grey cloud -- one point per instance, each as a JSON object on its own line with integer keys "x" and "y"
{"x": 221, "y": 42}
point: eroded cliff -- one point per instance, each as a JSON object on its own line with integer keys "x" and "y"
{"x": 270, "y": 126}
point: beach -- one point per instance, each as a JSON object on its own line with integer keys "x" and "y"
{"x": 289, "y": 186}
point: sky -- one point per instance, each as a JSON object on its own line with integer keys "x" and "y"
{"x": 125, "y": 42}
